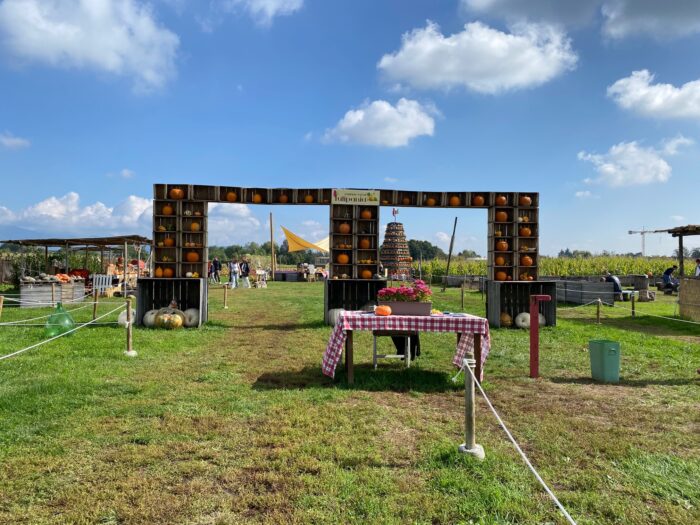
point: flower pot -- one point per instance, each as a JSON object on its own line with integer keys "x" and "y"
{"x": 408, "y": 308}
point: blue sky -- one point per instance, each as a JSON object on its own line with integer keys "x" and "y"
{"x": 593, "y": 103}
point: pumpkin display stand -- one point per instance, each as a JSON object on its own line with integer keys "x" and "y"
{"x": 506, "y": 300}
{"x": 154, "y": 294}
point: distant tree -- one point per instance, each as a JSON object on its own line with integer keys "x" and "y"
{"x": 686, "y": 253}
{"x": 428, "y": 250}
{"x": 565, "y": 253}
{"x": 695, "y": 253}
{"x": 468, "y": 254}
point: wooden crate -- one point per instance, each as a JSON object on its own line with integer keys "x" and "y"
{"x": 514, "y": 297}
{"x": 350, "y": 294}
{"x": 154, "y": 293}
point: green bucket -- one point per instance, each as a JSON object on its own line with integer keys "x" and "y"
{"x": 605, "y": 360}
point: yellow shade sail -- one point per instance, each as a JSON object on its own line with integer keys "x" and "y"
{"x": 297, "y": 244}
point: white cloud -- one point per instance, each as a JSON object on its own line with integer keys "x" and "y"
{"x": 638, "y": 93}
{"x": 620, "y": 18}
{"x": 126, "y": 173}
{"x": 585, "y": 194}
{"x": 391, "y": 179}
{"x": 9, "y": 141}
{"x": 121, "y": 37}
{"x": 232, "y": 224}
{"x": 263, "y": 11}
{"x": 677, "y": 218}
{"x": 670, "y": 146}
{"x": 378, "y": 123}
{"x": 628, "y": 163}
{"x": 480, "y": 58}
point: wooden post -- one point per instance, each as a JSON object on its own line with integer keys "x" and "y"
{"x": 126, "y": 253}
{"x": 225, "y": 297}
{"x": 633, "y": 302}
{"x": 53, "y": 294}
{"x": 94, "y": 302}
{"x": 462, "y": 295}
{"x": 2, "y": 302}
{"x": 130, "y": 352}
{"x": 681, "y": 267}
{"x": 46, "y": 259}
{"x": 470, "y": 364}
{"x": 272, "y": 250}
{"x": 349, "y": 358}
{"x": 449, "y": 255}
{"x": 597, "y": 315}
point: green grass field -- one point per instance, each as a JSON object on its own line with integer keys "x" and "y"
{"x": 235, "y": 423}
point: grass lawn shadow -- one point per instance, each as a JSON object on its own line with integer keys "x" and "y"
{"x": 366, "y": 378}
{"x": 627, "y": 382}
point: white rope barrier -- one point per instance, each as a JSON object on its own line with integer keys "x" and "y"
{"x": 520, "y": 450}
{"x": 21, "y": 321}
{"x": 60, "y": 335}
{"x": 637, "y": 312}
{"x": 41, "y": 303}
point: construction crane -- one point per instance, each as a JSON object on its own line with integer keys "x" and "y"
{"x": 643, "y": 232}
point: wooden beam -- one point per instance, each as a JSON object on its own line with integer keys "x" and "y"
{"x": 681, "y": 269}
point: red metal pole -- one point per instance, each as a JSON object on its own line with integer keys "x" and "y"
{"x": 535, "y": 333}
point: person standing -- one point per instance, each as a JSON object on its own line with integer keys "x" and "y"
{"x": 216, "y": 269}
{"x": 245, "y": 272}
{"x": 233, "y": 271}
{"x": 697, "y": 267}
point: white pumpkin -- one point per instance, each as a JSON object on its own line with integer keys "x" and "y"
{"x": 334, "y": 314}
{"x": 542, "y": 320}
{"x": 191, "y": 317}
{"x": 522, "y": 320}
{"x": 149, "y": 318}
{"x": 121, "y": 320}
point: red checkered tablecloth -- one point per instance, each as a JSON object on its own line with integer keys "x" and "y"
{"x": 468, "y": 325}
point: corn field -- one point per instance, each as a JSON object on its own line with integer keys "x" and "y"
{"x": 565, "y": 266}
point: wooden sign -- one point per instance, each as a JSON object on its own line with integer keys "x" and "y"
{"x": 355, "y": 197}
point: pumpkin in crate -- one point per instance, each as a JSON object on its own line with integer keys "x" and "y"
{"x": 192, "y": 257}
{"x": 191, "y": 317}
{"x": 525, "y": 231}
{"x": 176, "y": 194}
{"x": 366, "y": 214}
{"x": 455, "y": 200}
{"x": 169, "y": 318}
{"x": 478, "y": 200}
{"x": 364, "y": 244}
{"x": 167, "y": 210}
{"x": 501, "y": 246}
{"x": 382, "y": 310}
{"x": 283, "y": 199}
{"x": 406, "y": 201}
{"x": 501, "y": 276}
{"x": 506, "y": 319}
{"x": 149, "y": 318}
{"x": 501, "y": 216}
{"x": 168, "y": 242}
{"x": 231, "y": 196}
{"x": 500, "y": 261}
{"x": 308, "y": 199}
{"x": 195, "y": 227}
{"x": 257, "y": 198}
{"x": 168, "y": 273}
{"x": 344, "y": 228}
{"x": 525, "y": 200}
{"x": 158, "y": 272}
{"x": 366, "y": 274}
{"x": 526, "y": 260}
{"x": 430, "y": 201}
{"x": 342, "y": 258}
{"x": 501, "y": 200}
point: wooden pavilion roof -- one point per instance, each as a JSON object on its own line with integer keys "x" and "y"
{"x": 88, "y": 242}
{"x": 690, "y": 229}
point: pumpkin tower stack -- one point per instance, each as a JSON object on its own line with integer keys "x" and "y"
{"x": 394, "y": 253}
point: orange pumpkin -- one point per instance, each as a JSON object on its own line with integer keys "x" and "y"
{"x": 405, "y": 201}
{"x": 232, "y": 196}
{"x": 501, "y": 216}
{"x": 525, "y": 231}
{"x": 501, "y": 276}
{"x": 168, "y": 242}
{"x": 167, "y": 210}
{"x": 526, "y": 260}
{"x": 478, "y": 200}
{"x": 366, "y": 274}
{"x": 168, "y": 273}
{"x": 342, "y": 258}
{"x": 344, "y": 228}
{"x": 501, "y": 246}
{"x": 364, "y": 244}
{"x": 195, "y": 227}
{"x": 455, "y": 201}
{"x": 308, "y": 199}
{"x": 430, "y": 201}
{"x": 501, "y": 200}
{"x": 192, "y": 257}
{"x": 500, "y": 261}
{"x": 177, "y": 194}
{"x": 525, "y": 200}
{"x": 284, "y": 199}
{"x": 158, "y": 273}
{"x": 382, "y": 310}
{"x": 257, "y": 198}
{"x": 366, "y": 214}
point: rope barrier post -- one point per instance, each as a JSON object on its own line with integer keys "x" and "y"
{"x": 470, "y": 446}
{"x": 462, "y": 295}
{"x": 2, "y": 302}
{"x": 634, "y": 314}
{"x": 129, "y": 352}
{"x": 597, "y": 315}
{"x": 95, "y": 295}
{"x": 225, "y": 297}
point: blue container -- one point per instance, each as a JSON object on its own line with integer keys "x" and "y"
{"x": 605, "y": 360}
